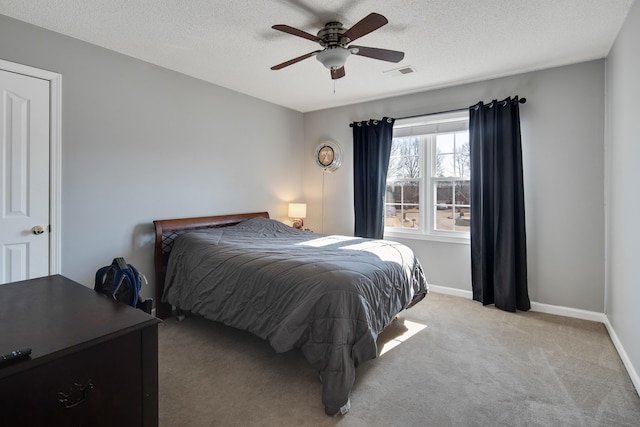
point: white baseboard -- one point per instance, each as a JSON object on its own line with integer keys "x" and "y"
{"x": 450, "y": 291}
{"x": 633, "y": 374}
{"x": 567, "y": 312}
{"x": 535, "y": 306}
{"x": 576, "y": 313}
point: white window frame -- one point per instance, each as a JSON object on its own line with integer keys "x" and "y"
{"x": 429, "y": 126}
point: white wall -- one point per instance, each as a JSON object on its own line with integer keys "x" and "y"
{"x": 623, "y": 179}
{"x": 563, "y": 149}
{"x": 140, "y": 143}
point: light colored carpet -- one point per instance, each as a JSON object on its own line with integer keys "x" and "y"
{"x": 448, "y": 361}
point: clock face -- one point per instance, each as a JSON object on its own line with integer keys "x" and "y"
{"x": 329, "y": 156}
{"x": 326, "y": 155}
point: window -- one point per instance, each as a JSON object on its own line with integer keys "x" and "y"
{"x": 428, "y": 181}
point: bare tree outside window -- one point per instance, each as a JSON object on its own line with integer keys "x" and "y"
{"x": 453, "y": 201}
{"x": 462, "y": 157}
{"x": 403, "y": 184}
{"x": 439, "y": 162}
{"x": 405, "y": 159}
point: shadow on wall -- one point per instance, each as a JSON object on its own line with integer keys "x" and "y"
{"x": 141, "y": 255}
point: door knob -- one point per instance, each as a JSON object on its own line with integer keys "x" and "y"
{"x": 38, "y": 229}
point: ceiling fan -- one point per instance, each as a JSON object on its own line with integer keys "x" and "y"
{"x": 333, "y": 37}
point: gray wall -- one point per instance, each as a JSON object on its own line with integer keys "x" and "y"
{"x": 623, "y": 178}
{"x": 140, "y": 143}
{"x": 563, "y": 151}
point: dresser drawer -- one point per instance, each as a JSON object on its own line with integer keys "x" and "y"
{"x": 98, "y": 386}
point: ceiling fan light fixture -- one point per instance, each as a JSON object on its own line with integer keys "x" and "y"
{"x": 333, "y": 57}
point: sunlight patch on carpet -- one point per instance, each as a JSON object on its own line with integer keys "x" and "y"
{"x": 409, "y": 329}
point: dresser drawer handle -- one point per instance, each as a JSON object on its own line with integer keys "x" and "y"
{"x": 76, "y": 395}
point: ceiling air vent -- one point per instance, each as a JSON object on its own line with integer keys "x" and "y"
{"x": 408, "y": 69}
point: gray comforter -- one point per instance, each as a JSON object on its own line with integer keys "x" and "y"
{"x": 329, "y": 296}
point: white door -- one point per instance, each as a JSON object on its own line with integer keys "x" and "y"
{"x": 24, "y": 177}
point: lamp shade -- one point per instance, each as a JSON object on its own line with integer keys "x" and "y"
{"x": 297, "y": 210}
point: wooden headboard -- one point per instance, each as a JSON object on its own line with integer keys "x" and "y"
{"x": 167, "y": 230}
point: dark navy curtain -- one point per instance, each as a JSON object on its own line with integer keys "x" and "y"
{"x": 498, "y": 238}
{"x": 371, "y": 150}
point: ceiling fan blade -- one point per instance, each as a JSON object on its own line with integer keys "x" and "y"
{"x": 337, "y": 73}
{"x": 375, "y": 53}
{"x": 296, "y": 32}
{"x": 294, "y": 60}
{"x": 369, "y": 23}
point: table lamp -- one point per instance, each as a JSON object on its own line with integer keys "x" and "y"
{"x": 298, "y": 211}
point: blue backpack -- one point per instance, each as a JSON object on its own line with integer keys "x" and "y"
{"x": 120, "y": 281}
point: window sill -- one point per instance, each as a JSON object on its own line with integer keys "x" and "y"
{"x": 461, "y": 240}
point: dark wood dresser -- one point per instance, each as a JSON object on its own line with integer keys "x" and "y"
{"x": 94, "y": 361}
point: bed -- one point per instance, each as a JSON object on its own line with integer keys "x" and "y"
{"x": 329, "y": 296}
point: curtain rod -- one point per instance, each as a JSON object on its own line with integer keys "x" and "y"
{"x": 520, "y": 100}
{"x": 457, "y": 110}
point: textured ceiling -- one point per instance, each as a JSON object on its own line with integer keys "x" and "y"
{"x": 231, "y": 43}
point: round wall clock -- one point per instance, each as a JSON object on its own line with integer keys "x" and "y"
{"x": 328, "y": 156}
